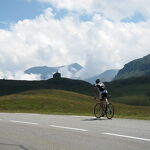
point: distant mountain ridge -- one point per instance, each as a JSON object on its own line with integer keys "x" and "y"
{"x": 106, "y": 76}
{"x": 135, "y": 68}
{"x": 47, "y": 72}
{"x": 70, "y": 71}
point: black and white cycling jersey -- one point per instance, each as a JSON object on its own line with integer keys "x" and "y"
{"x": 102, "y": 90}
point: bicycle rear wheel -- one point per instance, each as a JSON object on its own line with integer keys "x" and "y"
{"x": 109, "y": 111}
{"x": 98, "y": 110}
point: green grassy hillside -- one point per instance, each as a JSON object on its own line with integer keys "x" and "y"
{"x": 15, "y": 86}
{"x": 47, "y": 101}
{"x": 133, "y": 91}
{"x": 63, "y": 102}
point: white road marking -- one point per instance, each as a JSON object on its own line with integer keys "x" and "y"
{"x": 125, "y": 136}
{"x": 80, "y": 117}
{"x": 34, "y": 114}
{"x": 24, "y": 122}
{"x": 20, "y": 113}
{"x": 25, "y": 114}
{"x": 70, "y": 128}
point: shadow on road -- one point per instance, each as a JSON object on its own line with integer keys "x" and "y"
{"x": 13, "y": 145}
{"x": 93, "y": 119}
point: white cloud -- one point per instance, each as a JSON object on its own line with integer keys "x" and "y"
{"x": 65, "y": 72}
{"x": 70, "y": 5}
{"x": 113, "y": 9}
{"x": 98, "y": 44}
{"x": 18, "y": 76}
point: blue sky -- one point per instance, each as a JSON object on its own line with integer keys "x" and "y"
{"x": 12, "y": 11}
{"x": 137, "y": 17}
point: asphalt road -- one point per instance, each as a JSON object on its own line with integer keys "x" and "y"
{"x": 55, "y": 132}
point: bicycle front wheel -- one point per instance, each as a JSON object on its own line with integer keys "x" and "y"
{"x": 109, "y": 111}
{"x": 98, "y": 110}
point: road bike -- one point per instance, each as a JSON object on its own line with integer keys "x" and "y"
{"x": 102, "y": 108}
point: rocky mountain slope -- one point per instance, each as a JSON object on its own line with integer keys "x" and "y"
{"x": 135, "y": 68}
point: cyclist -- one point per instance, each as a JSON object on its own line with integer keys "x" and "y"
{"x": 102, "y": 92}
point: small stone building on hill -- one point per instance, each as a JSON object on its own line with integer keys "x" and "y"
{"x": 57, "y": 75}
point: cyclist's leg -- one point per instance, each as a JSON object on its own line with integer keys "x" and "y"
{"x": 105, "y": 101}
{"x": 106, "y": 97}
{"x": 102, "y": 104}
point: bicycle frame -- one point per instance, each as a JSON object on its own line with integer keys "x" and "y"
{"x": 102, "y": 108}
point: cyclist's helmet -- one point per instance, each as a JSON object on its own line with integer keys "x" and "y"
{"x": 97, "y": 80}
